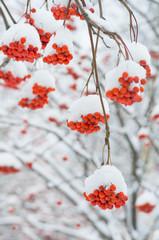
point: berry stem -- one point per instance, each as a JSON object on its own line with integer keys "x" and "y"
{"x": 10, "y": 15}
{"x": 68, "y": 6}
{"x": 100, "y": 95}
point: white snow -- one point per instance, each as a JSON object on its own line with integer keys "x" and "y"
{"x": 146, "y": 197}
{"x": 156, "y": 235}
{"x": 19, "y": 30}
{"x": 106, "y": 176}
{"x": 18, "y": 69}
{"x": 139, "y": 52}
{"x": 63, "y": 37}
{"x": 43, "y": 19}
{"x": 129, "y": 66}
{"x": 6, "y": 159}
{"x": 85, "y": 105}
{"x": 42, "y": 78}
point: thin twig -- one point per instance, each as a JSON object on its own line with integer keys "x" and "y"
{"x": 4, "y": 18}
{"x": 8, "y": 11}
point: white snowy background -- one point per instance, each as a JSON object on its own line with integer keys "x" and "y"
{"x": 46, "y": 202}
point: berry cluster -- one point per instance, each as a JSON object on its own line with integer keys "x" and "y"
{"x": 147, "y": 207}
{"x": 62, "y": 55}
{"x": 70, "y": 25}
{"x": 89, "y": 123}
{"x": 146, "y": 67}
{"x": 44, "y": 37}
{"x": 59, "y": 12}
{"x": 17, "y": 50}
{"x": 8, "y": 170}
{"x": 106, "y": 198}
{"x": 71, "y": 72}
{"x": 40, "y": 100}
{"x": 123, "y": 94}
{"x": 10, "y": 80}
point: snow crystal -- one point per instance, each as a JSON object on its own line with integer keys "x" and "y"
{"x": 139, "y": 52}
{"x": 63, "y": 37}
{"x": 85, "y": 105}
{"x": 146, "y": 197}
{"x": 9, "y": 160}
{"x": 17, "y": 31}
{"x": 129, "y": 66}
{"x": 106, "y": 176}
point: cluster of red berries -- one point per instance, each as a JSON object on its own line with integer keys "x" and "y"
{"x": 89, "y": 123}
{"x": 10, "y": 80}
{"x": 143, "y": 136}
{"x": 17, "y": 50}
{"x": 106, "y": 198}
{"x": 8, "y": 170}
{"x": 71, "y": 72}
{"x": 63, "y": 106}
{"x": 155, "y": 117}
{"x": 147, "y": 208}
{"x": 146, "y": 67}
{"x": 62, "y": 55}
{"x": 124, "y": 95}
{"x": 40, "y": 100}
{"x": 59, "y": 12}
{"x": 44, "y": 37}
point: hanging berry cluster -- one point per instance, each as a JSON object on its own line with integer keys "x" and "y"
{"x": 13, "y": 74}
{"x": 38, "y": 88}
{"x": 9, "y": 164}
{"x": 85, "y": 114}
{"x": 146, "y": 202}
{"x": 21, "y": 42}
{"x": 60, "y": 11}
{"x": 60, "y": 48}
{"x": 123, "y": 83}
{"x": 112, "y": 192}
{"x": 44, "y": 23}
{"x": 8, "y": 170}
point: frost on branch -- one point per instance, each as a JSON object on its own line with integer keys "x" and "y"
{"x": 21, "y": 41}
{"x": 106, "y": 188}
{"x": 140, "y": 54}
{"x": 35, "y": 92}
{"x": 9, "y": 164}
{"x": 44, "y": 23}
{"x": 146, "y": 202}
{"x": 85, "y": 114}
{"x": 60, "y": 48}
{"x": 60, "y": 9}
{"x": 13, "y": 74}
{"x": 123, "y": 83}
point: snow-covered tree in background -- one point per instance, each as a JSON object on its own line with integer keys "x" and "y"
{"x": 79, "y": 114}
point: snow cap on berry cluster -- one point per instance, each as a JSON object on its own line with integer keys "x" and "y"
{"x": 42, "y": 78}
{"x": 143, "y": 132}
{"x": 155, "y": 112}
{"x": 85, "y": 105}
{"x": 129, "y": 66}
{"x": 106, "y": 176}
{"x": 63, "y": 37}
{"x": 9, "y": 160}
{"x": 18, "y": 69}
{"x": 43, "y": 20}
{"x": 18, "y": 31}
{"x": 139, "y": 52}
{"x": 146, "y": 197}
